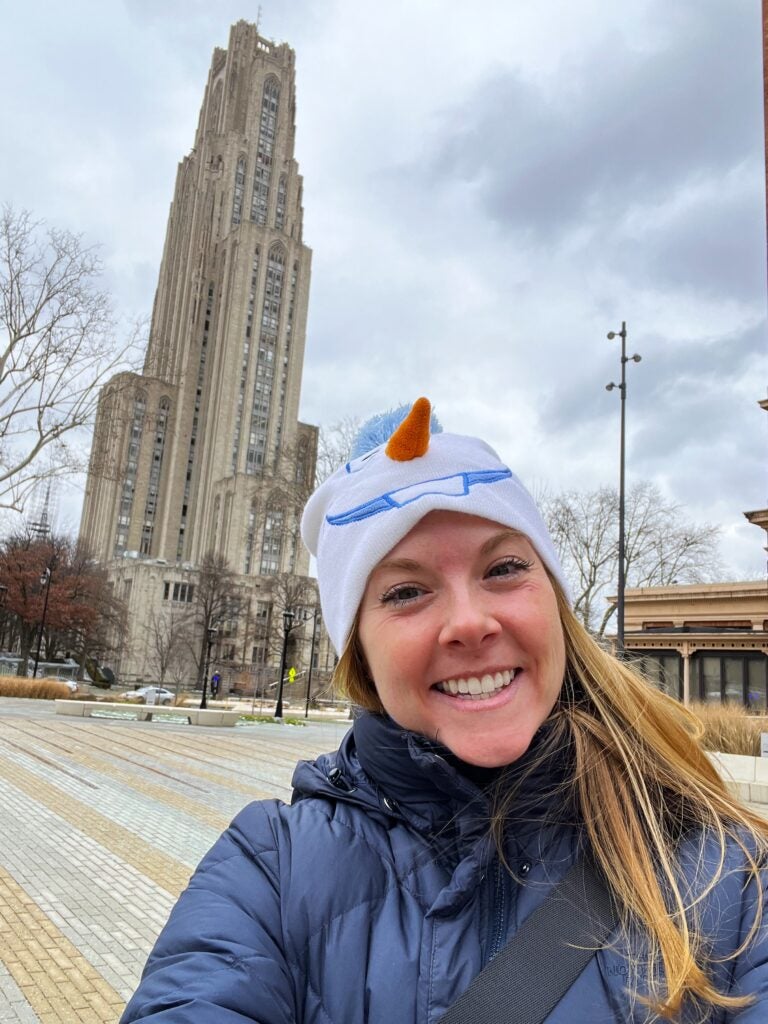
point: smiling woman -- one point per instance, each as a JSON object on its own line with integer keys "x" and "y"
{"x": 499, "y": 752}
{"x": 460, "y": 630}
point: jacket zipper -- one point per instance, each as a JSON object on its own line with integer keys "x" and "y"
{"x": 499, "y": 911}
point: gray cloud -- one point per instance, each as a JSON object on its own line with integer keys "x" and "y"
{"x": 620, "y": 127}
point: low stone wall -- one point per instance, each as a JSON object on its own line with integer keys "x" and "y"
{"x": 747, "y": 777}
{"x": 146, "y": 712}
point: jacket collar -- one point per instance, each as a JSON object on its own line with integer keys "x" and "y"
{"x": 400, "y": 775}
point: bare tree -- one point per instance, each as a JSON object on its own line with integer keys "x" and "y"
{"x": 335, "y": 445}
{"x": 217, "y": 602}
{"x": 57, "y": 347}
{"x": 167, "y": 637}
{"x": 661, "y": 545}
{"x": 297, "y": 594}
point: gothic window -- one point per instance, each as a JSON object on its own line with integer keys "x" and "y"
{"x": 265, "y": 363}
{"x": 196, "y": 418}
{"x": 250, "y": 535}
{"x": 280, "y": 209}
{"x": 129, "y": 480}
{"x": 237, "y": 201}
{"x": 245, "y": 360}
{"x": 265, "y": 151}
{"x": 272, "y": 542}
{"x": 302, "y": 458}
{"x": 153, "y": 490}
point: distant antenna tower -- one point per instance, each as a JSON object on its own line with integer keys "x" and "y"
{"x": 40, "y": 526}
{"x": 258, "y": 20}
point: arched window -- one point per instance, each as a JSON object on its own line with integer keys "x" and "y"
{"x": 237, "y": 200}
{"x": 129, "y": 479}
{"x": 280, "y": 209}
{"x": 153, "y": 490}
{"x": 265, "y": 151}
{"x": 272, "y": 541}
{"x": 266, "y": 360}
{"x": 250, "y": 536}
{"x": 246, "y": 357}
{"x": 207, "y": 328}
{"x": 302, "y": 460}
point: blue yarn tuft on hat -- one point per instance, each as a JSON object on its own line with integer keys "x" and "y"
{"x": 379, "y": 428}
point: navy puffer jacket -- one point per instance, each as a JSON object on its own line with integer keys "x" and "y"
{"x": 378, "y": 896}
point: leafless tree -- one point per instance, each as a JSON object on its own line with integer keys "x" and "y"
{"x": 335, "y": 445}
{"x": 297, "y": 594}
{"x": 168, "y": 638}
{"x": 57, "y": 347}
{"x": 661, "y": 545}
{"x": 217, "y": 602}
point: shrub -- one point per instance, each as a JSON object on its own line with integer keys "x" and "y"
{"x": 730, "y": 728}
{"x": 38, "y": 689}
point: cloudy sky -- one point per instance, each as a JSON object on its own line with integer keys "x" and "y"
{"x": 489, "y": 189}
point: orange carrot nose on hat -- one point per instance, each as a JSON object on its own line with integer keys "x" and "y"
{"x": 403, "y": 467}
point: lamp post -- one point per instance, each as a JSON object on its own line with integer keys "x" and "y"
{"x": 212, "y": 633}
{"x": 288, "y": 617}
{"x": 623, "y": 395}
{"x": 315, "y": 615}
{"x": 45, "y": 581}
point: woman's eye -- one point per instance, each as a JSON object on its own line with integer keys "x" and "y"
{"x": 509, "y": 567}
{"x": 401, "y": 595}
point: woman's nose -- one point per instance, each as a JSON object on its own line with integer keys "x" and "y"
{"x": 469, "y": 621}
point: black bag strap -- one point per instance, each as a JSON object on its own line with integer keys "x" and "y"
{"x": 532, "y": 973}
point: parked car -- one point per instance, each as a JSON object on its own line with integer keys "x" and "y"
{"x": 161, "y": 695}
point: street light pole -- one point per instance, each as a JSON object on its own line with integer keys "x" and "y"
{"x": 288, "y": 617}
{"x": 622, "y": 446}
{"x": 311, "y": 658}
{"x": 212, "y": 633}
{"x": 45, "y": 581}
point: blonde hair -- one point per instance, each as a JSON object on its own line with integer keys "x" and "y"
{"x": 639, "y": 781}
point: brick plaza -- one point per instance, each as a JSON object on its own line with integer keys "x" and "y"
{"x": 101, "y": 824}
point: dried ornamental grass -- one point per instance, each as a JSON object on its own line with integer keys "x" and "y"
{"x": 37, "y": 689}
{"x": 730, "y": 728}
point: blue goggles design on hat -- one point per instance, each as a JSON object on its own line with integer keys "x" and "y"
{"x": 457, "y": 485}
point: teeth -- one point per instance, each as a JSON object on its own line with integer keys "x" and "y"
{"x": 481, "y": 688}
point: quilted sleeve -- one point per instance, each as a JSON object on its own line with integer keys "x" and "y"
{"x": 750, "y": 971}
{"x": 220, "y": 958}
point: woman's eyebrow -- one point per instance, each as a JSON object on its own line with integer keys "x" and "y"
{"x": 404, "y": 564}
{"x": 499, "y": 538}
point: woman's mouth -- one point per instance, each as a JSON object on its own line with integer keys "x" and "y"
{"x": 478, "y": 687}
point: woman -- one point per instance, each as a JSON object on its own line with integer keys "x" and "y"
{"x": 499, "y": 745}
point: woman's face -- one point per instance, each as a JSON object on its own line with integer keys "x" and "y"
{"x": 460, "y": 629}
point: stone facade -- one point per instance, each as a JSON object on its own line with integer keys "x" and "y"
{"x": 203, "y": 453}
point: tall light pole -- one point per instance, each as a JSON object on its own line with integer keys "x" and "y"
{"x": 288, "y": 617}
{"x": 212, "y": 633}
{"x": 45, "y": 581}
{"x": 623, "y": 394}
{"x": 315, "y": 615}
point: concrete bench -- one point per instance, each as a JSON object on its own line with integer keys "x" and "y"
{"x": 145, "y": 712}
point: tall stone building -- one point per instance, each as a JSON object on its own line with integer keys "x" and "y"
{"x": 203, "y": 454}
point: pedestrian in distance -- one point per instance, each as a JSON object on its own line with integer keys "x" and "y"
{"x": 518, "y": 827}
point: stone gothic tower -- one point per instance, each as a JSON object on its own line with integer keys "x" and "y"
{"x": 202, "y": 454}
{"x": 203, "y": 451}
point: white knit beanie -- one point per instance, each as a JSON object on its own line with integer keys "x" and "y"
{"x": 358, "y": 514}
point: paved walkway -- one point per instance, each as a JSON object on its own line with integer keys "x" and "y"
{"x": 101, "y": 823}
